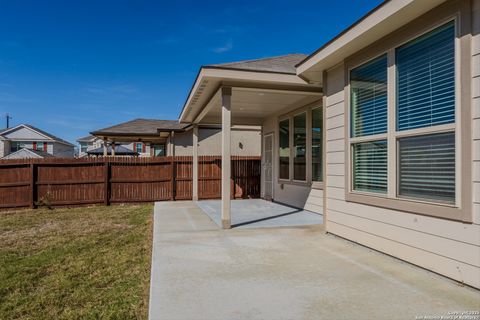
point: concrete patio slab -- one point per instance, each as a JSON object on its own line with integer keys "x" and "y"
{"x": 258, "y": 213}
{"x": 202, "y": 272}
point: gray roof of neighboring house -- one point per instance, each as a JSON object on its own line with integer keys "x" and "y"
{"x": 51, "y": 136}
{"x": 42, "y": 154}
{"x": 279, "y": 64}
{"x": 26, "y": 153}
{"x": 119, "y": 150}
{"x": 141, "y": 127}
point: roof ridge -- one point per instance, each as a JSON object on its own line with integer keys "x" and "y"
{"x": 259, "y": 59}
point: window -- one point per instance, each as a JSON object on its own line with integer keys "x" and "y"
{"x": 426, "y": 80}
{"x": 425, "y": 99}
{"x": 40, "y": 146}
{"x": 317, "y": 125}
{"x": 300, "y": 147}
{"x": 369, "y": 98}
{"x": 370, "y": 166}
{"x": 139, "y": 147}
{"x": 159, "y": 150}
{"x": 83, "y": 147}
{"x": 421, "y": 142}
{"x": 369, "y": 118}
{"x": 284, "y": 151}
{"x": 427, "y": 167}
{"x": 16, "y": 145}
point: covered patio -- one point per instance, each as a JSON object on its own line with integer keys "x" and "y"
{"x": 245, "y": 93}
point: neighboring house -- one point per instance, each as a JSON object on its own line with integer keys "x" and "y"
{"x": 378, "y": 130}
{"x": 88, "y": 143}
{"x": 149, "y": 137}
{"x": 38, "y": 142}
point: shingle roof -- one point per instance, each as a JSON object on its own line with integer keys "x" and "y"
{"x": 26, "y": 153}
{"x": 51, "y": 136}
{"x": 279, "y": 64}
{"x": 42, "y": 154}
{"x": 140, "y": 127}
{"x": 119, "y": 150}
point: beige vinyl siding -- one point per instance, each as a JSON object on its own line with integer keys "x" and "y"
{"x": 476, "y": 109}
{"x": 444, "y": 246}
{"x": 315, "y": 201}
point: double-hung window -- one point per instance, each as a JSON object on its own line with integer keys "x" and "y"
{"x": 403, "y": 121}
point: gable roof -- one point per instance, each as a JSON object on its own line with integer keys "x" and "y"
{"x": 141, "y": 127}
{"x": 278, "y": 64}
{"x": 44, "y": 133}
{"x": 26, "y": 153}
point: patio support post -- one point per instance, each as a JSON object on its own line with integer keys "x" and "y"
{"x": 226, "y": 155}
{"x": 195, "y": 164}
{"x": 113, "y": 149}
{"x": 105, "y": 150}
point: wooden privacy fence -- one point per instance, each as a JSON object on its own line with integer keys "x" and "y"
{"x": 69, "y": 182}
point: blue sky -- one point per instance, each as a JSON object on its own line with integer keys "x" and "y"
{"x": 70, "y": 67}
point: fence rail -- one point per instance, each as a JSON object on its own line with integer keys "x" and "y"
{"x": 70, "y": 182}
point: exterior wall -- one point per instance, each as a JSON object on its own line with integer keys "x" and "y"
{"x": 297, "y": 195}
{"x": 23, "y": 133}
{"x": 4, "y": 148}
{"x": 61, "y": 150}
{"x": 245, "y": 142}
{"x": 476, "y": 108}
{"x": 447, "y": 247}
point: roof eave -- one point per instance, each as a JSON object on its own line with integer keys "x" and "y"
{"x": 354, "y": 38}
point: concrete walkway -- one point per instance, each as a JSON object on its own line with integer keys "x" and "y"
{"x": 258, "y": 213}
{"x": 202, "y": 272}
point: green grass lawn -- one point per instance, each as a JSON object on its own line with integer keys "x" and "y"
{"x": 81, "y": 263}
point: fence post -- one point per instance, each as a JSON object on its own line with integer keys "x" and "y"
{"x": 172, "y": 164}
{"x": 106, "y": 174}
{"x": 33, "y": 185}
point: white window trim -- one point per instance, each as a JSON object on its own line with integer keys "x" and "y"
{"x": 459, "y": 210}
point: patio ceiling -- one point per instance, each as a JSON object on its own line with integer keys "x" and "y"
{"x": 255, "y": 95}
{"x": 250, "y": 106}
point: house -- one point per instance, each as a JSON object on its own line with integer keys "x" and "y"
{"x": 88, "y": 143}
{"x": 151, "y": 137}
{"x": 378, "y": 130}
{"x": 26, "y": 141}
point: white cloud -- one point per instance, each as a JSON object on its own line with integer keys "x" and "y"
{"x": 225, "y": 48}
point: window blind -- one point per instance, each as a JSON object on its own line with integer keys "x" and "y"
{"x": 427, "y": 167}
{"x": 426, "y": 80}
{"x": 370, "y": 166}
{"x": 369, "y": 98}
